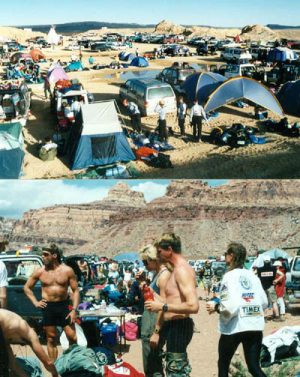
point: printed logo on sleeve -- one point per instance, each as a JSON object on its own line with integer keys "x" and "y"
{"x": 250, "y": 311}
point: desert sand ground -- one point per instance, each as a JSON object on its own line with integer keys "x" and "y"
{"x": 278, "y": 158}
{"x": 203, "y": 349}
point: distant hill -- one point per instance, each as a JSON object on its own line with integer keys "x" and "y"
{"x": 81, "y": 27}
{"x": 281, "y": 27}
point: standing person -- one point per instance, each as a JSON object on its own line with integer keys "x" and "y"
{"x": 181, "y": 301}
{"x": 47, "y": 89}
{"x": 207, "y": 276}
{"x": 181, "y": 114}
{"x": 279, "y": 283}
{"x": 56, "y": 279}
{"x": 241, "y": 308}
{"x": 162, "y": 123}
{"x": 135, "y": 115}
{"x": 3, "y": 285}
{"x": 91, "y": 60}
{"x": 197, "y": 114}
{"x": 14, "y": 330}
{"x": 267, "y": 275}
{"x": 151, "y": 321}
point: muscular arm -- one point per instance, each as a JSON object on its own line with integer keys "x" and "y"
{"x": 29, "y": 286}
{"x": 3, "y": 299}
{"x": 74, "y": 286}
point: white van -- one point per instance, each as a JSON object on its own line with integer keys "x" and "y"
{"x": 236, "y": 54}
{"x": 146, "y": 93}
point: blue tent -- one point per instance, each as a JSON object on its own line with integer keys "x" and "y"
{"x": 74, "y": 66}
{"x": 139, "y": 61}
{"x": 129, "y": 57}
{"x": 128, "y": 256}
{"x": 281, "y": 54}
{"x": 238, "y": 88}
{"x": 122, "y": 55}
{"x": 98, "y": 138}
{"x": 289, "y": 97}
{"x": 11, "y": 150}
{"x": 201, "y": 85}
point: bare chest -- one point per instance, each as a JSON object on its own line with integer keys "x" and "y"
{"x": 56, "y": 277}
{"x": 172, "y": 287}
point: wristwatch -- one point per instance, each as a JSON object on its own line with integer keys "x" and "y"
{"x": 156, "y": 330}
{"x": 165, "y": 308}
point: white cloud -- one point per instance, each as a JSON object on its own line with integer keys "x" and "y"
{"x": 151, "y": 189}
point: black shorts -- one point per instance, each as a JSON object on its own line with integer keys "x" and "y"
{"x": 54, "y": 314}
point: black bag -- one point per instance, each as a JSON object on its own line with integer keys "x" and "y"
{"x": 161, "y": 161}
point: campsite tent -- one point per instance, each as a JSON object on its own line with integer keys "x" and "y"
{"x": 273, "y": 254}
{"x": 281, "y": 54}
{"x": 238, "y": 88}
{"x": 14, "y": 59}
{"x": 139, "y": 61}
{"x": 289, "y": 98}
{"x": 56, "y": 73}
{"x": 98, "y": 139}
{"x": 201, "y": 85}
{"x": 52, "y": 37}
{"x": 37, "y": 55}
{"x": 74, "y": 66}
{"x": 11, "y": 150}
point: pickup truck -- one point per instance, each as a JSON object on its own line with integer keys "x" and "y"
{"x": 19, "y": 268}
{"x": 293, "y": 281}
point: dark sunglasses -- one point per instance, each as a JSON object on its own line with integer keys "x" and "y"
{"x": 145, "y": 262}
{"x": 46, "y": 254}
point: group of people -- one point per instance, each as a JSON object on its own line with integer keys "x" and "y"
{"x": 196, "y": 116}
{"x": 170, "y": 298}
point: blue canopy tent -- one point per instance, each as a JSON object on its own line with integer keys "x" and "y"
{"x": 139, "y": 61}
{"x": 122, "y": 55}
{"x": 128, "y": 257}
{"x": 74, "y": 66}
{"x": 11, "y": 150}
{"x": 201, "y": 85}
{"x": 273, "y": 254}
{"x": 289, "y": 97}
{"x": 238, "y": 88}
{"x": 98, "y": 139}
{"x": 281, "y": 54}
{"x": 129, "y": 57}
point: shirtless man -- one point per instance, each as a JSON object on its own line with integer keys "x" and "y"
{"x": 14, "y": 330}
{"x": 56, "y": 278}
{"x": 181, "y": 301}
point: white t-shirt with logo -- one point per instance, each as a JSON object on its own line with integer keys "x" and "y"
{"x": 243, "y": 301}
{"x": 3, "y": 275}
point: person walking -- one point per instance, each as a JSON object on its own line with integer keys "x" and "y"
{"x": 14, "y": 330}
{"x": 135, "y": 115}
{"x": 207, "y": 275}
{"x": 241, "y": 309}
{"x": 162, "y": 123}
{"x": 197, "y": 115}
{"x": 279, "y": 283}
{"x": 151, "y": 321}
{"x": 181, "y": 114}
{"x": 180, "y": 302}
{"x": 56, "y": 279}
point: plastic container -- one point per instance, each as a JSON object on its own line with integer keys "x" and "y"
{"x": 109, "y": 334}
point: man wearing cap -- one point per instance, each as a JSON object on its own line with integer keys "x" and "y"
{"x": 162, "y": 123}
{"x": 267, "y": 274}
{"x": 56, "y": 278}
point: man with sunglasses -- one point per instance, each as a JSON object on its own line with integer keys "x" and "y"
{"x": 56, "y": 279}
{"x": 180, "y": 301}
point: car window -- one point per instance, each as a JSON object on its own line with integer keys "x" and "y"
{"x": 160, "y": 92}
{"x": 17, "y": 268}
{"x": 297, "y": 264}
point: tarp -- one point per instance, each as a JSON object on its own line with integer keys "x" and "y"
{"x": 238, "y": 88}
{"x": 273, "y": 254}
{"x": 37, "y": 55}
{"x": 281, "y": 54}
{"x": 99, "y": 138}
{"x": 52, "y": 37}
{"x": 11, "y": 150}
{"x": 74, "y": 66}
{"x": 128, "y": 257}
{"x": 139, "y": 62}
{"x": 289, "y": 97}
{"x": 56, "y": 73}
{"x": 201, "y": 85}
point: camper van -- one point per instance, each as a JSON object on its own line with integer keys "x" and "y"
{"x": 15, "y": 99}
{"x": 146, "y": 93}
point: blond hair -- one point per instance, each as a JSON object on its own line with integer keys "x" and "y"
{"x": 148, "y": 252}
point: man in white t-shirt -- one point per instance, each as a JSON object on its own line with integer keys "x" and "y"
{"x": 3, "y": 285}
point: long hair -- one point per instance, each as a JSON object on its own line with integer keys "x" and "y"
{"x": 239, "y": 253}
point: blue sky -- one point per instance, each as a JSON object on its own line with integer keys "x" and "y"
{"x": 16, "y": 197}
{"x": 215, "y": 13}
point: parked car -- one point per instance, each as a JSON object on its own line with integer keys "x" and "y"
{"x": 176, "y": 75}
{"x": 293, "y": 281}
{"x": 204, "y": 48}
{"x": 146, "y": 93}
{"x": 19, "y": 268}
{"x": 177, "y": 50}
{"x": 18, "y": 98}
{"x": 100, "y": 46}
{"x": 235, "y": 54}
{"x": 246, "y": 70}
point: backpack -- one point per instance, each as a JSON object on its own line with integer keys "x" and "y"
{"x": 130, "y": 330}
{"x": 161, "y": 161}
